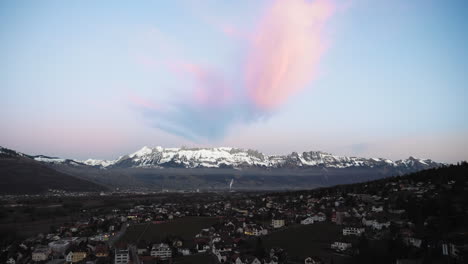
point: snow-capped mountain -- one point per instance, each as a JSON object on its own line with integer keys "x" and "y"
{"x": 225, "y": 157}
{"x": 215, "y": 168}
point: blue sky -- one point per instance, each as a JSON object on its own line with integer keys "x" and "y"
{"x": 100, "y": 79}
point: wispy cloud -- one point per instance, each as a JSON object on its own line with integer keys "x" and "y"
{"x": 286, "y": 50}
{"x": 281, "y": 58}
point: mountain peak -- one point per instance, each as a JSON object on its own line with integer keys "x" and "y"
{"x": 142, "y": 152}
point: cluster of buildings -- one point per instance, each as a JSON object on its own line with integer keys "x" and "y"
{"x": 242, "y": 217}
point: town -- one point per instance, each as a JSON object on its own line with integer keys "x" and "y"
{"x": 406, "y": 219}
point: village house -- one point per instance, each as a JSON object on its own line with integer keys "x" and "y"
{"x": 277, "y": 223}
{"x": 59, "y": 246}
{"x": 162, "y": 251}
{"x": 221, "y": 257}
{"x": 375, "y": 224}
{"x": 412, "y": 241}
{"x": 75, "y": 256}
{"x": 341, "y": 246}
{"x": 122, "y": 256}
{"x": 320, "y": 217}
{"x": 377, "y": 209}
{"x": 307, "y": 221}
{"x": 41, "y": 253}
{"x": 313, "y": 260}
{"x": 184, "y": 251}
{"x": 449, "y": 249}
{"x": 355, "y": 231}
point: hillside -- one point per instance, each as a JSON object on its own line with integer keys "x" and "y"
{"x": 20, "y": 174}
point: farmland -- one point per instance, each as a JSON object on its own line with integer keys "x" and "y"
{"x": 303, "y": 241}
{"x": 185, "y": 228}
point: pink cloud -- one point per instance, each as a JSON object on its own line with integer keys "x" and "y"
{"x": 142, "y": 102}
{"x": 210, "y": 87}
{"x": 282, "y": 56}
{"x": 285, "y": 50}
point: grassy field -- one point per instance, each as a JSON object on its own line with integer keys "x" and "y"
{"x": 196, "y": 259}
{"x": 303, "y": 241}
{"x": 186, "y": 228}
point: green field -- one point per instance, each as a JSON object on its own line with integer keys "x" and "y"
{"x": 186, "y": 228}
{"x": 303, "y": 241}
{"x": 197, "y": 259}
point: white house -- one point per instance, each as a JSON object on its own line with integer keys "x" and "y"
{"x": 122, "y": 256}
{"x": 375, "y": 224}
{"x": 202, "y": 247}
{"x": 307, "y": 221}
{"x": 355, "y": 231}
{"x": 162, "y": 251}
{"x": 341, "y": 246}
{"x": 239, "y": 261}
{"x": 221, "y": 257}
{"x": 412, "y": 241}
{"x": 320, "y": 217}
{"x": 377, "y": 209}
{"x": 256, "y": 261}
{"x": 69, "y": 257}
{"x": 311, "y": 260}
{"x": 380, "y": 225}
{"x": 260, "y": 232}
{"x": 272, "y": 260}
{"x": 41, "y": 253}
{"x": 449, "y": 249}
{"x": 59, "y": 246}
{"x": 277, "y": 223}
{"x": 184, "y": 251}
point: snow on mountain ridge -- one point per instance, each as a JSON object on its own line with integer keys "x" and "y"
{"x": 158, "y": 157}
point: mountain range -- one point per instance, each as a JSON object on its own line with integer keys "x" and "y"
{"x": 213, "y": 168}
{"x": 224, "y": 157}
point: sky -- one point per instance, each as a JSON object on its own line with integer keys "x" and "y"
{"x": 100, "y": 79}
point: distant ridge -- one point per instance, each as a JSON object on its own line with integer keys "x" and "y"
{"x": 226, "y": 157}
{"x": 21, "y": 174}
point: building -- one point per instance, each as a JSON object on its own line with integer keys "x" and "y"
{"x": 412, "y": 241}
{"x": 41, "y": 253}
{"x": 377, "y": 209}
{"x": 277, "y": 223}
{"x": 313, "y": 260}
{"x": 341, "y": 246}
{"x": 354, "y": 231}
{"x": 307, "y": 221}
{"x": 260, "y": 232}
{"x": 162, "y": 251}
{"x": 75, "y": 256}
{"x": 320, "y": 217}
{"x": 59, "y": 246}
{"x": 449, "y": 249}
{"x": 122, "y": 256}
{"x": 184, "y": 251}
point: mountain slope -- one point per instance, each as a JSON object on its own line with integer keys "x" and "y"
{"x": 20, "y": 174}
